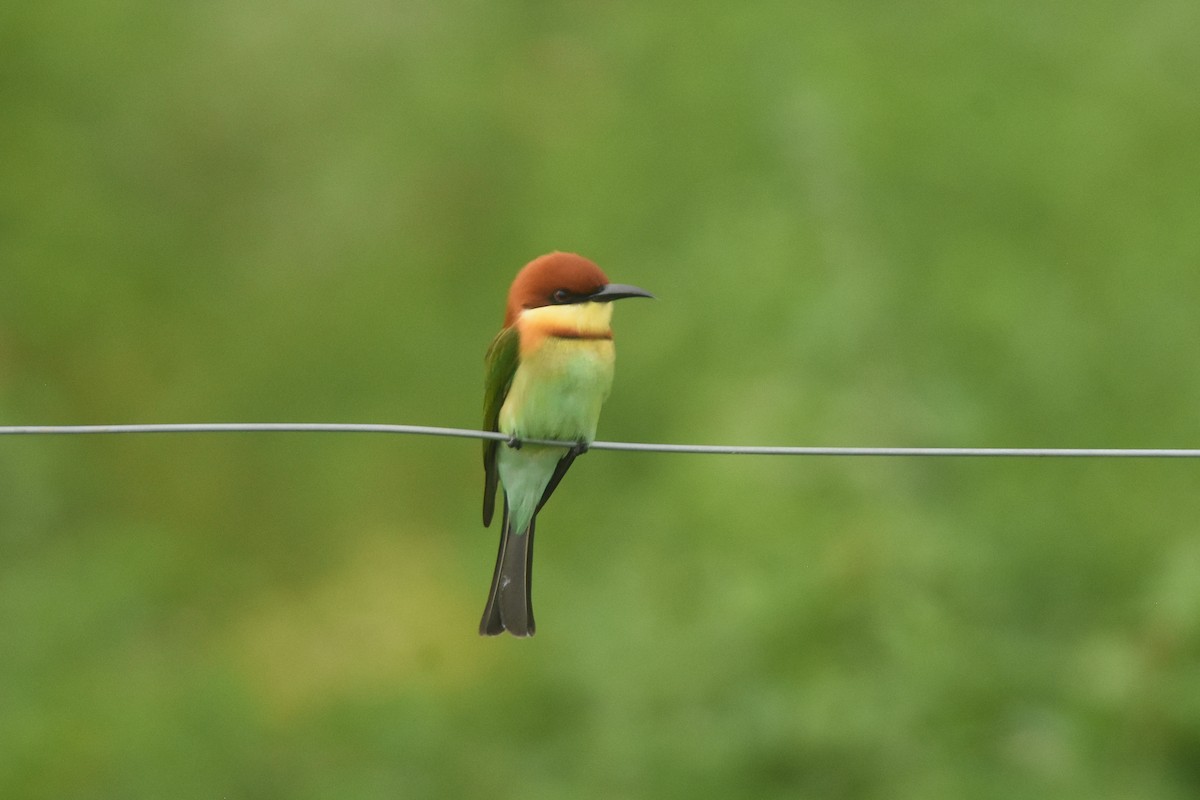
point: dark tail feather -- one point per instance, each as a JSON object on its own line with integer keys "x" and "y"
{"x": 509, "y": 607}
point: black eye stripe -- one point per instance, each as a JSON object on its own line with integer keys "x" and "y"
{"x": 566, "y": 296}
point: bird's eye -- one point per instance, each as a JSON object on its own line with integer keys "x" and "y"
{"x": 561, "y": 296}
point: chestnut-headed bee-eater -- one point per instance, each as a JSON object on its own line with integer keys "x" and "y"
{"x": 548, "y": 372}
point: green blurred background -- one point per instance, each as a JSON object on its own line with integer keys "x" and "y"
{"x": 918, "y": 223}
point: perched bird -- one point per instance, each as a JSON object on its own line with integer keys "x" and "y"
{"x": 548, "y": 372}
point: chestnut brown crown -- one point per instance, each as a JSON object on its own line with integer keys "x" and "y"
{"x": 553, "y": 279}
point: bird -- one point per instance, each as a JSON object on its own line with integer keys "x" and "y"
{"x": 547, "y": 373}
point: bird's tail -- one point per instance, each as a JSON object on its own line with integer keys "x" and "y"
{"x": 509, "y": 607}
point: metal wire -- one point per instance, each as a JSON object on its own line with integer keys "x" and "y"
{"x": 640, "y": 447}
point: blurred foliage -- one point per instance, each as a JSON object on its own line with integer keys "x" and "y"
{"x": 910, "y": 224}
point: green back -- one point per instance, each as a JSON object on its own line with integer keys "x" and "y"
{"x": 500, "y": 365}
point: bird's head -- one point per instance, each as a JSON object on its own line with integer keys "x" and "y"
{"x": 562, "y": 279}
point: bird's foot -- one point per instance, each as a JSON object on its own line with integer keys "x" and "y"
{"x": 579, "y": 448}
{"x": 514, "y": 443}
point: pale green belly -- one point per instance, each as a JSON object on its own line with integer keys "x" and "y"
{"x": 557, "y": 392}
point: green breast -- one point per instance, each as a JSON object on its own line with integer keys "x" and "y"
{"x": 558, "y": 390}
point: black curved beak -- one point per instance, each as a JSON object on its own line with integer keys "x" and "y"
{"x": 617, "y": 291}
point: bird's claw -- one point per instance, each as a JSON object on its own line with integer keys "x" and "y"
{"x": 577, "y": 449}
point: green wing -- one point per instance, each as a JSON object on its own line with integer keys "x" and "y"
{"x": 501, "y": 364}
